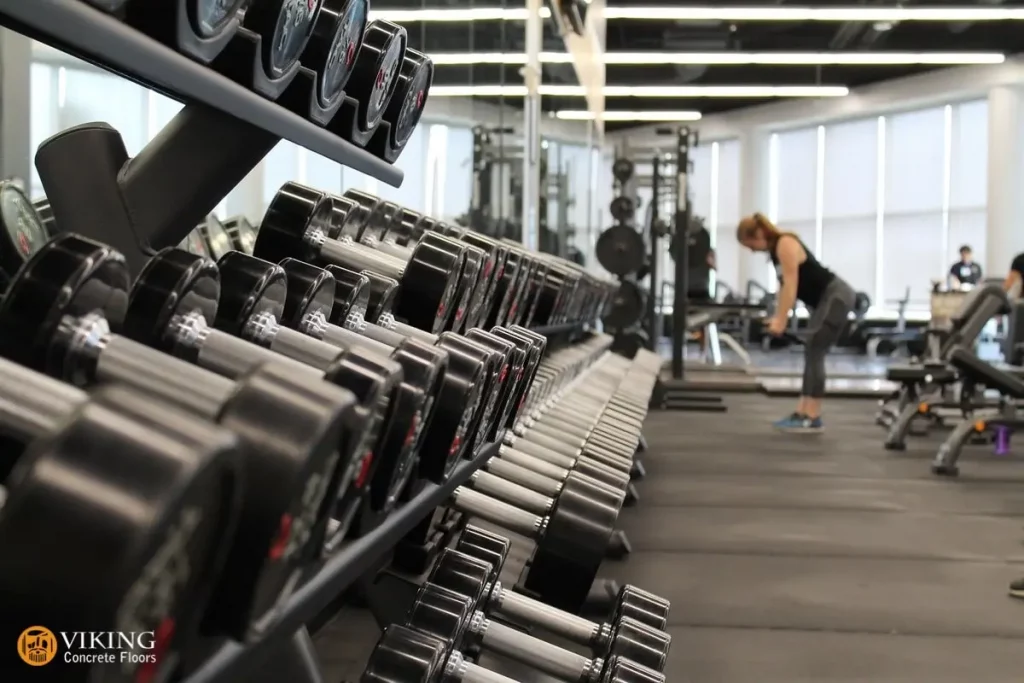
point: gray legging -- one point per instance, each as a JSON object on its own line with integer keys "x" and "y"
{"x": 823, "y": 329}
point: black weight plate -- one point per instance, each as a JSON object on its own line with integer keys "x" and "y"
{"x": 173, "y": 283}
{"x": 210, "y": 17}
{"x": 621, "y": 670}
{"x": 374, "y": 75}
{"x": 622, "y": 209}
{"x": 160, "y": 554}
{"x": 469, "y": 280}
{"x": 24, "y": 232}
{"x": 217, "y": 237}
{"x": 292, "y": 30}
{"x": 351, "y": 295}
{"x": 248, "y": 287}
{"x": 505, "y": 287}
{"x": 410, "y": 96}
{"x": 622, "y": 169}
{"x": 406, "y": 654}
{"x": 430, "y": 283}
{"x": 630, "y": 342}
{"x": 509, "y": 380}
{"x": 495, "y": 367}
{"x": 70, "y": 276}
{"x": 442, "y": 613}
{"x": 645, "y": 607}
{"x": 382, "y": 297}
{"x": 573, "y": 546}
{"x": 456, "y": 411}
{"x": 332, "y": 49}
{"x": 462, "y": 574}
{"x": 621, "y": 250}
{"x": 627, "y": 306}
{"x": 486, "y": 547}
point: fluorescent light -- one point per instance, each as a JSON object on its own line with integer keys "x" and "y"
{"x": 570, "y": 115}
{"x": 816, "y": 13}
{"x": 794, "y": 14}
{"x": 456, "y": 15}
{"x": 732, "y": 58}
{"x": 646, "y": 91}
{"x": 805, "y": 58}
{"x": 726, "y": 91}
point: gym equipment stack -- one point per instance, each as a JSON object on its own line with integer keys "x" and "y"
{"x": 221, "y": 434}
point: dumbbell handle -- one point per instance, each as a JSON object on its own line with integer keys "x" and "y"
{"x": 541, "y": 655}
{"x": 32, "y": 404}
{"x": 505, "y": 490}
{"x": 456, "y": 668}
{"x": 357, "y": 257}
{"x": 496, "y": 512}
{"x": 524, "y": 476}
{"x": 551, "y": 619}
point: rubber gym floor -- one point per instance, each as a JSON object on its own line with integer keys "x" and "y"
{"x": 793, "y": 559}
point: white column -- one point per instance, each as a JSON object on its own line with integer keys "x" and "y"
{"x": 1004, "y": 229}
{"x": 754, "y": 191}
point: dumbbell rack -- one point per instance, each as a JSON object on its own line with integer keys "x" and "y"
{"x": 175, "y": 181}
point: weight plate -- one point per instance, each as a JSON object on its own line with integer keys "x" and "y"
{"x": 69, "y": 276}
{"x": 24, "y": 233}
{"x": 217, "y": 237}
{"x": 406, "y": 106}
{"x": 627, "y": 306}
{"x": 248, "y": 287}
{"x": 622, "y": 209}
{"x": 295, "y": 23}
{"x": 622, "y": 169}
{"x": 335, "y": 66}
{"x": 210, "y": 17}
{"x": 620, "y": 250}
{"x": 374, "y": 75}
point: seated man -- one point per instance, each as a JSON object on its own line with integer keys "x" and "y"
{"x": 965, "y": 271}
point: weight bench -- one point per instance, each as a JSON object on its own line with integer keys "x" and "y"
{"x": 1003, "y": 422}
{"x": 907, "y": 410}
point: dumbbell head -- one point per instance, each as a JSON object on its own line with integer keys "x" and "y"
{"x": 383, "y": 294}
{"x": 249, "y": 287}
{"x": 406, "y": 655}
{"x": 442, "y": 613}
{"x": 484, "y": 546}
{"x": 375, "y": 70}
{"x": 119, "y": 446}
{"x": 621, "y": 670}
{"x": 23, "y": 230}
{"x": 638, "y": 604}
{"x": 332, "y": 50}
{"x": 68, "y": 276}
{"x": 463, "y": 575}
{"x": 406, "y": 106}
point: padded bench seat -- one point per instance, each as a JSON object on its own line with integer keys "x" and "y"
{"x": 916, "y": 374}
{"x": 1008, "y": 384}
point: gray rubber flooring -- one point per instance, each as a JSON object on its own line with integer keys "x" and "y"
{"x": 821, "y": 559}
{"x": 826, "y": 558}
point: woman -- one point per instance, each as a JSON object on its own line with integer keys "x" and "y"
{"x": 828, "y": 296}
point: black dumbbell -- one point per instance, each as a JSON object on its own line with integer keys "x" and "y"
{"x": 24, "y": 231}
{"x": 646, "y": 644}
{"x": 172, "y": 305}
{"x": 308, "y": 308}
{"x": 56, "y": 318}
{"x": 348, "y": 312}
{"x": 298, "y": 223}
{"x": 571, "y": 539}
{"x": 144, "y": 498}
{"x": 410, "y": 227}
{"x": 285, "y": 26}
{"x": 332, "y": 49}
{"x": 371, "y": 225}
{"x": 455, "y": 618}
{"x": 408, "y": 655}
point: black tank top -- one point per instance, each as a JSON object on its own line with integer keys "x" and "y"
{"x": 813, "y": 277}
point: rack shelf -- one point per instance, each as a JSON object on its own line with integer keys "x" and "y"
{"x": 236, "y": 662}
{"x": 77, "y": 28}
{"x": 556, "y": 330}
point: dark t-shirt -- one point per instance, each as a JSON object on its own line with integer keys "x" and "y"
{"x": 966, "y": 273}
{"x": 1018, "y": 265}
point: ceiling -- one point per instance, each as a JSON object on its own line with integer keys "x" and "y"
{"x": 670, "y": 36}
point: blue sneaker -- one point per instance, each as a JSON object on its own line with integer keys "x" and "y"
{"x": 799, "y": 424}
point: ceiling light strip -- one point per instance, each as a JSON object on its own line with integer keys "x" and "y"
{"x": 734, "y": 58}
{"x": 795, "y": 14}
